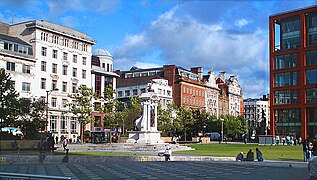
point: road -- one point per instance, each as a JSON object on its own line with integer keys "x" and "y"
{"x": 164, "y": 170}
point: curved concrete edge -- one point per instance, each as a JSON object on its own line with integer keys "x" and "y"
{"x": 83, "y": 159}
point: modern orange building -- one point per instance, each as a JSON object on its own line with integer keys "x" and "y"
{"x": 293, "y": 73}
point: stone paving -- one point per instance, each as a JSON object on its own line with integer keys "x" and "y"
{"x": 164, "y": 170}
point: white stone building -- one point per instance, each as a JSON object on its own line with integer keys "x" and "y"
{"x": 132, "y": 87}
{"x": 256, "y": 112}
{"x": 16, "y": 57}
{"x": 234, "y": 90}
{"x": 62, "y": 63}
{"x": 212, "y": 93}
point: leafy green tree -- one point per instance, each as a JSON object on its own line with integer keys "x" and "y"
{"x": 165, "y": 119}
{"x": 184, "y": 121}
{"x": 9, "y": 104}
{"x": 33, "y": 116}
{"x": 133, "y": 112}
{"x": 82, "y": 107}
{"x": 235, "y": 125}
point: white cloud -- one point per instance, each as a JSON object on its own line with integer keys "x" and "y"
{"x": 189, "y": 43}
{"x": 241, "y": 22}
{"x": 69, "y": 21}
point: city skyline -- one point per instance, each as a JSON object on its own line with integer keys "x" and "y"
{"x": 229, "y": 36}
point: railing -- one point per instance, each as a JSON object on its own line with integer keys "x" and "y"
{"x": 5, "y": 175}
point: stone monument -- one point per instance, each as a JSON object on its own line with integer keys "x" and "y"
{"x": 146, "y": 126}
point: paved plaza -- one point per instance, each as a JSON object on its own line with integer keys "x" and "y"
{"x": 165, "y": 170}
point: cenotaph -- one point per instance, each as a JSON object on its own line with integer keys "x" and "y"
{"x": 146, "y": 125}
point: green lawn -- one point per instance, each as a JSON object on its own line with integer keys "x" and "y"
{"x": 294, "y": 153}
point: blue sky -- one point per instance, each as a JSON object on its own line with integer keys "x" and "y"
{"x": 226, "y": 35}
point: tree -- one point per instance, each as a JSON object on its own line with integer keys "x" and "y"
{"x": 33, "y": 116}
{"x": 184, "y": 121}
{"x": 82, "y": 107}
{"x": 9, "y": 104}
{"x": 133, "y": 112}
{"x": 165, "y": 118}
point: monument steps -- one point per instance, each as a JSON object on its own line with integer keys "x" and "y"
{"x": 127, "y": 147}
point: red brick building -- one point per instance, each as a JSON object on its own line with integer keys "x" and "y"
{"x": 293, "y": 73}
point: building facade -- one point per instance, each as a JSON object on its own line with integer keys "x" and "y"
{"x": 16, "y": 57}
{"x": 256, "y": 113}
{"x": 102, "y": 77}
{"x": 62, "y": 63}
{"x": 133, "y": 87}
{"x": 190, "y": 88}
{"x": 293, "y": 73}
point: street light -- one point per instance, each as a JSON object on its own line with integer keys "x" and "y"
{"x": 221, "y": 129}
{"x": 47, "y": 93}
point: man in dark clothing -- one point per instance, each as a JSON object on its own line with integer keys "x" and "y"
{"x": 306, "y": 150}
{"x": 250, "y": 156}
{"x": 240, "y": 157}
{"x": 259, "y": 154}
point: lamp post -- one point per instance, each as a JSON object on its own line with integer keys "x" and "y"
{"x": 222, "y": 120}
{"x": 47, "y": 93}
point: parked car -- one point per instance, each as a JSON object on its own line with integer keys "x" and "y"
{"x": 213, "y": 135}
{"x": 15, "y": 131}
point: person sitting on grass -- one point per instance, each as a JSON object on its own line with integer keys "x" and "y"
{"x": 259, "y": 154}
{"x": 250, "y": 156}
{"x": 240, "y": 157}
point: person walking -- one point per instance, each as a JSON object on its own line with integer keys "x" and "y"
{"x": 306, "y": 150}
{"x": 65, "y": 143}
{"x": 258, "y": 154}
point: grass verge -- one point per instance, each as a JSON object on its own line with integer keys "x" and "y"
{"x": 291, "y": 153}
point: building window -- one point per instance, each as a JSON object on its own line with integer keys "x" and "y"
{"x": 53, "y": 102}
{"x": 168, "y": 93}
{"x": 84, "y": 60}
{"x": 64, "y": 103}
{"x": 53, "y": 123}
{"x": 159, "y": 91}
{"x": 285, "y": 79}
{"x": 311, "y": 96}
{"x": 43, "y": 66}
{"x": 103, "y": 65}
{"x": 311, "y": 76}
{"x": 65, "y": 70}
{"x": 84, "y": 74}
{"x": 290, "y": 33}
{"x": 285, "y": 61}
{"x": 54, "y": 68}
{"x": 44, "y": 49}
{"x": 127, "y": 92}
{"x": 285, "y": 97}
{"x": 63, "y": 124}
{"x": 73, "y": 124}
{"x": 75, "y": 58}
{"x": 98, "y": 84}
{"x": 74, "y": 72}
{"x": 74, "y": 88}
{"x": 119, "y": 93}
{"x": 65, "y": 56}
{"x": 10, "y": 66}
{"x": 97, "y": 106}
{"x": 311, "y": 25}
{"x": 108, "y": 67}
{"x": 43, "y": 83}
{"x": 66, "y": 42}
{"x": 54, "y": 84}
{"x": 26, "y": 86}
{"x": 54, "y": 54}
{"x": 135, "y": 92}
{"x": 55, "y": 39}
{"x": 64, "y": 88}
{"x": 44, "y": 36}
